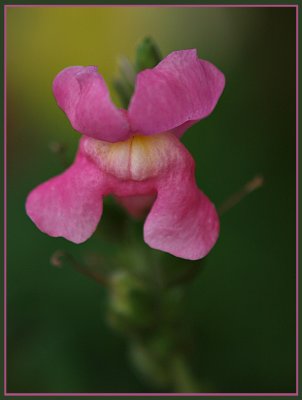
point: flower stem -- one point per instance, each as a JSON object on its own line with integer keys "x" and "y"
{"x": 148, "y": 310}
{"x": 184, "y": 382}
{"x": 58, "y": 258}
{"x": 60, "y": 150}
{"x": 236, "y": 198}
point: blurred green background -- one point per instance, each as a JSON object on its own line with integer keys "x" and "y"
{"x": 241, "y": 308}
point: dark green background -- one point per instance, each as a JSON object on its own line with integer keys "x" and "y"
{"x": 241, "y": 308}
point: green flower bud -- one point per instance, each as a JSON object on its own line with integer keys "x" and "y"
{"x": 147, "y": 54}
{"x": 131, "y": 306}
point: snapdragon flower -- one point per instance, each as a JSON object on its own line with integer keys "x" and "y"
{"x": 135, "y": 155}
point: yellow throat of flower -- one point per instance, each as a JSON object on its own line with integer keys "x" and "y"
{"x": 138, "y": 158}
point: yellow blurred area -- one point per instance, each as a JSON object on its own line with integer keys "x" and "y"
{"x": 42, "y": 41}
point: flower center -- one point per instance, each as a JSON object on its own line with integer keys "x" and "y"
{"x": 138, "y": 158}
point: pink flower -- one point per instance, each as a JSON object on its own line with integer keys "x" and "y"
{"x": 135, "y": 155}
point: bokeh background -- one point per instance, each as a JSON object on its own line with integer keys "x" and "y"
{"x": 241, "y": 308}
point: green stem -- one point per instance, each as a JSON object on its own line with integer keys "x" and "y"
{"x": 60, "y": 256}
{"x": 149, "y": 313}
{"x": 183, "y": 379}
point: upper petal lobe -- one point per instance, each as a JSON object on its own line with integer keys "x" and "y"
{"x": 180, "y": 89}
{"x": 82, "y": 94}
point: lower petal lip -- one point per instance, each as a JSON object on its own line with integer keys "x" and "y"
{"x": 182, "y": 220}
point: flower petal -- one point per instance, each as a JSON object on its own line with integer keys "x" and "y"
{"x": 179, "y": 89}
{"x": 69, "y": 205}
{"x": 182, "y": 221}
{"x": 82, "y": 94}
{"x": 138, "y": 205}
{"x": 181, "y": 129}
